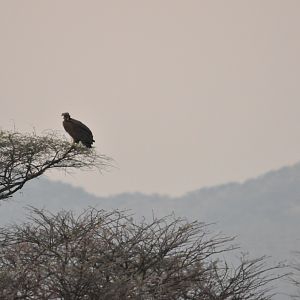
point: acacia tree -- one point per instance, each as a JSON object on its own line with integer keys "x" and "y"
{"x": 27, "y": 156}
{"x": 295, "y": 277}
{"x": 107, "y": 255}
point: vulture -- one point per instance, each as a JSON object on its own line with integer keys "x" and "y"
{"x": 78, "y": 131}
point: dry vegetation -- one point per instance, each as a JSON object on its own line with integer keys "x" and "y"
{"x": 107, "y": 255}
{"x": 27, "y": 156}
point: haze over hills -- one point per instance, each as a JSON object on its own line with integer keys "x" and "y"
{"x": 264, "y": 212}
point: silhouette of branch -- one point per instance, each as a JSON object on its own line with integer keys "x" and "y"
{"x": 24, "y": 157}
{"x": 62, "y": 256}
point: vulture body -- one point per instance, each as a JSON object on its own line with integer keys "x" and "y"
{"x": 78, "y": 131}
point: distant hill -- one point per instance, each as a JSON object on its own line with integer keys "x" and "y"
{"x": 263, "y": 212}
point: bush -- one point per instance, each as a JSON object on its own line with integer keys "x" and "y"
{"x": 107, "y": 255}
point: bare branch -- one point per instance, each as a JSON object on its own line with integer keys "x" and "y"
{"x": 27, "y": 156}
{"x": 106, "y": 253}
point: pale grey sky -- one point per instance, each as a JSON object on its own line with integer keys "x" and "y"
{"x": 182, "y": 94}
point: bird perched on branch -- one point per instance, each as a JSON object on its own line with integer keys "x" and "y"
{"x": 77, "y": 130}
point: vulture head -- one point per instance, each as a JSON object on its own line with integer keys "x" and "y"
{"x": 77, "y": 130}
{"x": 66, "y": 116}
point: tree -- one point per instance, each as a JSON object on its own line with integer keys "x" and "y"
{"x": 27, "y": 156}
{"x": 295, "y": 276}
{"x": 107, "y": 255}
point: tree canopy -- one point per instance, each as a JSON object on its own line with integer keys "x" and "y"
{"x": 27, "y": 156}
{"x": 108, "y": 255}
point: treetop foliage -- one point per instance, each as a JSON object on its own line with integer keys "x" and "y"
{"x": 27, "y": 156}
{"x": 107, "y": 255}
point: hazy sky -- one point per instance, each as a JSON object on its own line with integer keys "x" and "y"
{"x": 182, "y": 94}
